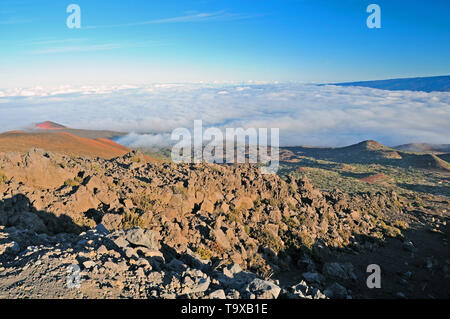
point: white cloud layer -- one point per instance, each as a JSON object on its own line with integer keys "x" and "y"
{"x": 306, "y": 114}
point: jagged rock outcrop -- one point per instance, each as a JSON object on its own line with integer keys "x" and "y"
{"x": 98, "y": 264}
{"x": 206, "y": 214}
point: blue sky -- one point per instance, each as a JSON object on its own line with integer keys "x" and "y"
{"x": 145, "y": 41}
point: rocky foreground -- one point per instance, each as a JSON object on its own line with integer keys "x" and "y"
{"x": 125, "y": 264}
{"x": 126, "y": 228}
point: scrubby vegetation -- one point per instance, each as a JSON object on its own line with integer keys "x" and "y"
{"x": 181, "y": 190}
{"x": 132, "y": 219}
{"x": 204, "y": 253}
{"x": 3, "y": 177}
{"x": 357, "y": 177}
{"x": 234, "y": 216}
{"x": 143, "y": 201}
{"x": 72, "y": 182}
{"x": 135, "y": 159}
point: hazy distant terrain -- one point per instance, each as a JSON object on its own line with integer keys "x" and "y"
{"x": 424, "y": 148}
{"x": 425, "y": 84}
{"x": 61, "y": 142}
{"x": 49, "y": 126}
{"x": 369, "y": 166}
{"x": 139, "y": 226}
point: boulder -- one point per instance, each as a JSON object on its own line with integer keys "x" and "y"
{"x": 88, "y": 264}
{"x": 111, "y": 221}
{"x": 101, "y": 229}
{"x": 218, "y": 294}
{"x": 336, "y": 291}
{"x": 263, "y": 289}
{"x": 337, "y": 270}
{"x": 194, "y": 282}
{"x": 313, "y": 277}
{"x": 28, "y": 221}
{"x": 116, "y": 267}
{"x": 232, "y": 270}
{"x": 142, "y": 237}
{"x": 207, "y": 206}
{"x": 11, "y": 248}
{"x": 300, "y": 289}
{"x": 176, "y": 265}
{"x": 222, "y": 239}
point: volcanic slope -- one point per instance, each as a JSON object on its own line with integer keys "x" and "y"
{"x": 49, "y": 126}
{"x": 205, "y": 217}
{"x": 367, "y": 152}
{"x": 60, "y": 142}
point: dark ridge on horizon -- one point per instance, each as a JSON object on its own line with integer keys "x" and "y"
{"x": 425, "y": 84}
{"x": 373, "y": 152}
{"x": 424, "y": 147}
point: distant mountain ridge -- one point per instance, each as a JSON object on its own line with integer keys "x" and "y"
{"x": 424, "y": 148}
{"x": 425, "y": 84}
{"x": 60, "y": 142}
{"x": 58, "y": 138}
{"x": 49, "y": 126}
{"x": 368, "y": 152}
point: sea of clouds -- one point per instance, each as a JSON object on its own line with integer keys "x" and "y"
{"x": 306, "y": 114}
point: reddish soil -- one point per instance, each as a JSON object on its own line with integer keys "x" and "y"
{"x": 373, "y": 179}
{"x": 48, "y": 125}
{"x": 61, "y": 142}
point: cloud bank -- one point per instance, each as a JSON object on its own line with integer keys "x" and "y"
{"x": 306, "y": 114}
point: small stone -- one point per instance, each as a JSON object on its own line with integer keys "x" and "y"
{"x": 176, "y": 265}
{"x": 409, "y": 246}
{"x": 89, "y": 264}
{"x": 301, "y": 288}
{"x": 11, "y": 248}
{"x": 313, "y": 277}
{"x": 142, "y": 237}
{"x": 130, "y": 252}
{"x": 116, "y": 267}
{"x": 263, "y": 289}
{"x": 342, "y": 271}
{"x": 101, "y": 229}
{"x": 140, "y": 272}
{"x": 102, "y": 250}
{"x": 400, "y": 295}
{"x": 233, "y": 294}
{"x": 336, "y": 291}
{"x": 231, "y": 270}
{"x": 218, "y": 294}
{"x": 141, "y": 262}
{"x": 195, "y": 285}
{"x": 121, "y": 242}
